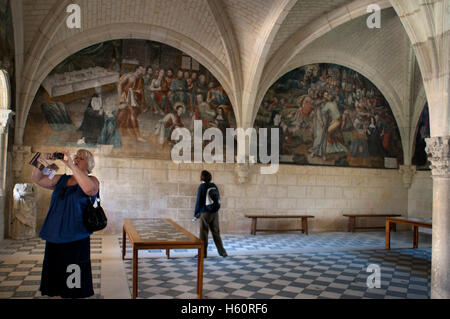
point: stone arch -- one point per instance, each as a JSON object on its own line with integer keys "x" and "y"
{"x": 370, "y": 73}
{"x": 59, "y": 52}
{"x": 303, "y": 37}
{"x": 272, "y": 25}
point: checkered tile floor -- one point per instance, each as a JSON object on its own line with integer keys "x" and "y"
{"x": 328, "y": 265}
{"x": 22, "y": 279}
{"x": 275, "y": 243}
{"x": 20, "y": 276}
{"x": 36, "y": 246}
{"x": 404, "y": 274}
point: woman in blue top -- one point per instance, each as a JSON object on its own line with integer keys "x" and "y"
{"x": 66, "y": 270}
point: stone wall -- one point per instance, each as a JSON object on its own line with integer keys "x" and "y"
{"x": 162, "y": 189}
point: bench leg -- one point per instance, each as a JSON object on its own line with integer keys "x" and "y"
{"x": 351, "y": 223}
{"x": 124, "y": 244}
{"x": 305, "y": 225}
{"x": 253, "y": 229}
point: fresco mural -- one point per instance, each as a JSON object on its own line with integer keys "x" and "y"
{"x": 125, "y": 97}
{"x": 331, "y": 115}
{"x": 420, "y": 158}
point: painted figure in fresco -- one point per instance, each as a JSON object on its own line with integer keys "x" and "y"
{"x": 93, "y": 120}
{"x": 359, "y": 146}
{"x": 320, "y": 137}
{"x": 335, "y": 140}
{"x": 374, "y": 139}
{"x": 130, "y": 89}
{"x": 221, "y": 121}
{"x": 168, "y": 123}
{"x": 200, "y": 87}
{"x": 158, "y": 96}
{"x": 217, "y": 97}
{"x": 110, "y": 132}
{"x": 148, "y": 78}
{"x": 205, "y": 112}
{"x": 178, "y": 89}
{"x": 166, "y": 89}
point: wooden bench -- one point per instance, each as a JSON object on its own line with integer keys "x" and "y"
{"x": 304, "y": 218}
{"x": 352, "y": 221}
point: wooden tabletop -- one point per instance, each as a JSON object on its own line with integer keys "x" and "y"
{"x": 371, "y": 215}
{"x": 279, "y": 216}
{"x": 421, "y": 222}
{"x": 157, "y": 231}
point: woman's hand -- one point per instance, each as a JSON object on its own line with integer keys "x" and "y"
{"x": 69, "y": 161}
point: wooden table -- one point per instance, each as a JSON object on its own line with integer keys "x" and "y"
{"x": 147, "y": 233}
{"x": 415, "y": 222}
{"x": 352, "y": 220}
{"x": 304, "y": 218}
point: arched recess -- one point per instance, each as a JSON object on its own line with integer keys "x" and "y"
{"x": 267, "y": 34}
{"x": 58, "y": 53}
{"x": 394, "y": 100}
{"x": 302, "y": 38}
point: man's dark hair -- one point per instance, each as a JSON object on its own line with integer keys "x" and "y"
{"x": 205, "y": 176}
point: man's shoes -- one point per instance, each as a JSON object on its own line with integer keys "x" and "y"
{"x": 224, "y": 255}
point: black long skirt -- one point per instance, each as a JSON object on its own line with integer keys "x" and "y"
{"x": 66, "y": 270}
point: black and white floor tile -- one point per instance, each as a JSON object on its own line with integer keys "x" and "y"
{"x": 403, "y": 273}
{"x": 21, "y": 279}
{"x": 268, "y": 265}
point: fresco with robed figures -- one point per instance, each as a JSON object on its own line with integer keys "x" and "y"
{"x": 125, "y": 97}
{"x": 331, "y": 115}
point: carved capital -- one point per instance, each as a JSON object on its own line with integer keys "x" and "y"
{"x": 438, "y": 150}
{"x": 407, "y": 172}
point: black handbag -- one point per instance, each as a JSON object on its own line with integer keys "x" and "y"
{"x": 94, "y": 218}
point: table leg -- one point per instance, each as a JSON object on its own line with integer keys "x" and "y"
{"x": 135, "y": 273}
{"x": 351, "y": 223}
{"x": 124, "y": 244}
{"x": 388, "y": 235}
{"x": 168, "y": 253}
{"x": 415, "y": 237}
{"x": 253, "y": 230}
{"x": 200, "y": 273}
{"x": 305, "y": 225}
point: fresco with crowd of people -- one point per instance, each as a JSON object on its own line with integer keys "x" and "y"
{"x": 328, "y": 114}
{"x": 126, "y": 97}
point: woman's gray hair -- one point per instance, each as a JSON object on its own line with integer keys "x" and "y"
{"x": 90, "y": 158}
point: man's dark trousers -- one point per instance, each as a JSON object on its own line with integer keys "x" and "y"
{"x": 210, "y": 221}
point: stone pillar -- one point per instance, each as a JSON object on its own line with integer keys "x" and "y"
{"x": 438, "y": 150}
{"x": 5, "y": 118}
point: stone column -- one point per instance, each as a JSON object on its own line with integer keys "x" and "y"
{"x": 438, "y": 150}
{"x": 5, "y": 118}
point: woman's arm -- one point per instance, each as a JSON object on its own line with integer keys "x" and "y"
{"x": 89, "y": 184}
{"x": 42, "y": 180}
